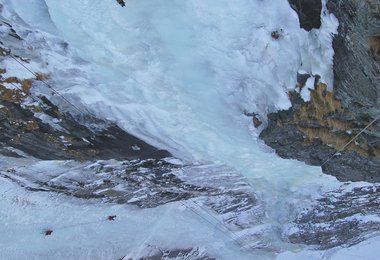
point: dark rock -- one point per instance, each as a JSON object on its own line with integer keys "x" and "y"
{"x": 73, "y": 140}
{"x": 256, "y": 121}
{"x": 338, "y": 219}
{"x": 9, "y": 153}
{"x": 289, "y": 142}
{"x": 302, "y": 78}
{"x": 218, "y": 191}
{"x": 298, "y": 133}
{"x": 314, "y": 131}
{"x": 50, "y": 109}
{"x": 15, "y": 35}
{"x": 309, "y": 13}
{"x": 356, "y": 72}
{"x": 350, "y": 166}
{"x": 255, "y": 118}
{"x": 156, "y": 253}
{"x": 149, "y": 183}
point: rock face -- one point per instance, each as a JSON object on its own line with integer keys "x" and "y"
{"x": 211, "y": 192}
{"x": 313, "y": 131}
{"x": 309, "y": 13}
{"x": 337, "y": 219}
{"x": 155, "y": 253}
{"x": 64, "y": 137}
{"x": 356, "y": 69}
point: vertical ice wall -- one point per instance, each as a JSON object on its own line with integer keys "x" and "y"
{"x": 188, "y": 69}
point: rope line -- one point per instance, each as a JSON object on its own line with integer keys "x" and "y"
{"x": 30, "y": 95}
{"x": 81, "y": 224}
{"x": 352, "y": 140}
{"x": 51, "y": 87}
{"x": 215, "y": 226}
{"x": 221, "y": 223}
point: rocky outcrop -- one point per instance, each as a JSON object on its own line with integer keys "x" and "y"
{"x": 156, "y": 253}
{"x": 356, "y": 67}
{"x": 43, "y": 131}
{"x": 338, "y": 220}
{"x": 309, "y": 13}
{"x": 216, "y": 194}
{"x": 313, "y": 131}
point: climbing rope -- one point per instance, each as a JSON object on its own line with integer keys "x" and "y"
{"x": 352, "y": 140}
{"x": 226, "y": 232}
{"x": 235, "y": 237}
{"x": 30, "y": 95}
{"x": 51, "y": 87}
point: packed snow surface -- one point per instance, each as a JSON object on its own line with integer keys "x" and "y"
{"x": 180, "y": 75}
